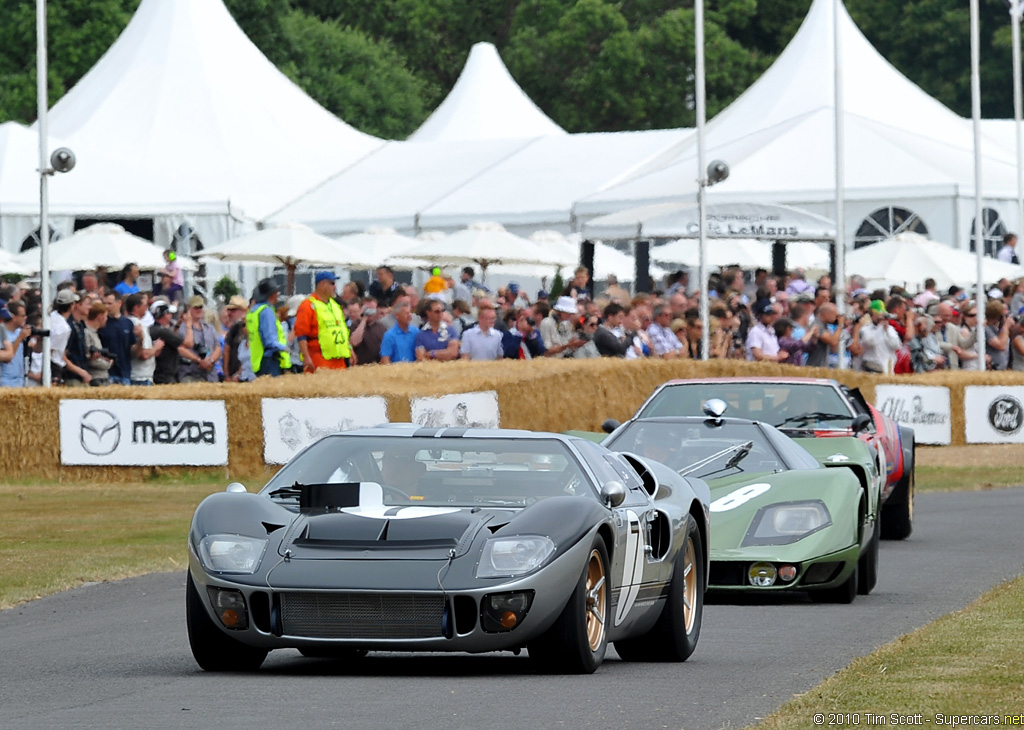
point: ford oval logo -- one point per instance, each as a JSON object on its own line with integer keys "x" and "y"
{"x": 100, "y": 432}
{"x": 1006, "y": 415}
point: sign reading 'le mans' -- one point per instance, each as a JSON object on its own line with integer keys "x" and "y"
{"x": 143, "y": 432}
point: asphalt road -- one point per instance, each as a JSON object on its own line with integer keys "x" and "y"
{"x": 116, "y": 655}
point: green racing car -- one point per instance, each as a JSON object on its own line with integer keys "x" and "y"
{"x": 785, "y": 516}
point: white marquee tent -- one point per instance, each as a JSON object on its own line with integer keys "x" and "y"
{"x": 485, "y": 103}
{"x": 184, "y": 120}
{"x": 903, "y": 148}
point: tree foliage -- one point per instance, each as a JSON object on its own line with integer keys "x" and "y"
{"x": 592, "y": 65}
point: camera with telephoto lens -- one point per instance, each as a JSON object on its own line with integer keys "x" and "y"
{"x": 200, "y": 349}
{"x": 104, "y": 352}
{"x": 40, "y": 332}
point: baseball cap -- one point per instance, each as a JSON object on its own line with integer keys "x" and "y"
{"x": 5, "y": 313}
{"x": 196, "y": 301}
{"x": 158, "y": 309}
{"x": 293, "y": 304}
{"x": 543, "y": 294}
{"x": 764, "y": 306}
{"x": 237, "y": 302}
{"x": 66, "y": 296}
{"x": 324, "y": 276}
{"x": 995, "y": 293}
{"x": 513, "y": 287}
{"x": 877, "y": 305}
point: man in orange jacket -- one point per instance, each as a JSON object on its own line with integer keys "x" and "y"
{"x": 320, "y": 328}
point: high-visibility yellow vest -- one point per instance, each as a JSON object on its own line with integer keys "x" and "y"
{"x": 331, "y": 330}
{"x": 252, "y": 324}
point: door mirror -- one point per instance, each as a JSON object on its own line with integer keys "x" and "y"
{"x": 610, "y": 425}
{"x": 860, "y": 422}
{"x": 236, "y": 487}
{"x": 613, "y": 493}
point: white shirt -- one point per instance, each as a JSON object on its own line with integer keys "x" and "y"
{"x": 764, "y": 339}
{"x": 143, "y": 369}
{"x": 881, "y": 343}
{"x": 60, "y": 333}
{"x": 480, "y": 345}
{"x": 1006, "y": 254}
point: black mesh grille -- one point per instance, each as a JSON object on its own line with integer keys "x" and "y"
{"x": 724, "y": 573}
{"x": 362, "y": 615}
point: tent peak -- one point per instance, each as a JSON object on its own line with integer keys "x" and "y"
{"x": 485, "y": 103}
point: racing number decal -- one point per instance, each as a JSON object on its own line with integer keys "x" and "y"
{"x": 632, "y": 567}
{"x": 740, "y": 496}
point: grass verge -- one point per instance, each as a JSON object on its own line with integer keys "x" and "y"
{"x": 967, "y": 663}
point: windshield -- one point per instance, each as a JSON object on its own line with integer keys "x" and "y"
{"x": 445, "y": 471}
{"x": 788, "y": 405}
{"x": 681, "y": 445}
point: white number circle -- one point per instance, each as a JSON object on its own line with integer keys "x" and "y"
{"x": 741, "y": 495}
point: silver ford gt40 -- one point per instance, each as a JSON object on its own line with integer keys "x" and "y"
{"x": 401, "y": 538}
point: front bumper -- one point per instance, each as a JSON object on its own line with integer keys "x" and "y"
{"x": 310, "y": 604}
{"x": 825, "y": 571}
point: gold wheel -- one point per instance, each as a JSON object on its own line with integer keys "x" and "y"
{"x": 689, "y": 585}
{"x": 597, "y": 600}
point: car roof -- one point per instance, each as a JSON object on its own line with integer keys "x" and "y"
{"x": 817, "y": 381}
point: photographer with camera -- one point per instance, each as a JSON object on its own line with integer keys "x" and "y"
{"x": 879, "y": 340}
{"x": 997, "y": 335}
{"x": 12, "y": 354}
{"x": 98, "y": 358}
{"x": 203, "y": 341}
{"x": 522, "y": 341}
{"x": 366, "y": 330}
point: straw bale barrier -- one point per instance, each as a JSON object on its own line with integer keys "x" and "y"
{"x": 550, "y": 395}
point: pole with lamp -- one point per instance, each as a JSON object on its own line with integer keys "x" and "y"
{"x": 979, "y": 242}
{"x": 62, "y": 160}
{"x": 839, "y": 285}
{"x": 716, "y": 172}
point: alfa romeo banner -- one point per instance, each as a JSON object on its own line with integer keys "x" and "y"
{"x": 143, "y": 432}
{"x": 925, "y": 408}
{"x": 289, "y": 424}
{"x": 460, "y": 410}
{"x": 993, "y": 414}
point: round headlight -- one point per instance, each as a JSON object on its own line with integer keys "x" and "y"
{"x": 761, "y": 575}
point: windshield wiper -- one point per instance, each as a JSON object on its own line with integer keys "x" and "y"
{"x": 742, "y": 450}
{"x": 498, "y": 502}
{"x": 815, "y": 416}
{"x": 293, "y": 491}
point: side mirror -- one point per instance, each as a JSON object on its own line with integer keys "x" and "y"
{"x": 861, "y": 422}
{"x": 236, "y": 488}
{"x": 610, "y": 425}
{"x": 613, "y": 493}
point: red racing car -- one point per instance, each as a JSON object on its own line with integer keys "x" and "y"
{"x": 807, "y": 407}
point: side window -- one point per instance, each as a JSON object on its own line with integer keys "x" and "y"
{"x": 611, "y": 467}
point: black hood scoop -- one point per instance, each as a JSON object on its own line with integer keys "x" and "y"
{"x": 444, "y": 531}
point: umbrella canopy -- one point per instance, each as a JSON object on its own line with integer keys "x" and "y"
{"x": 485, "y": 244}
{"x": 382, "y": 245}
{"x": 290, "y": 245}
{"x": 106, "y": 245}
{"x": 9, "y": 264}
{"x": 724, "y": 220}
{"x": 745, "y": 253}
{"x": 909, "y": 258}
{"x": 607, "y": 259}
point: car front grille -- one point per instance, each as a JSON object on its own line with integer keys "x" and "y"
{"x": 362, "y": 615}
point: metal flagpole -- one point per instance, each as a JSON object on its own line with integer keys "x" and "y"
{"x": 702, "y": 181}
{"x": 839, "y": 285}
{"x": 44, "y": 173}
{"x": 1015, "y": 11}
{"x": 979, "y": 243}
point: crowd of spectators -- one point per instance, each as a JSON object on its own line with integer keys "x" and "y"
{"x": 102, "y": 335}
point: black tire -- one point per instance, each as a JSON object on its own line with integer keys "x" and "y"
{"x": 674, "y": 637}
{"x": 214, "y": 650}
{"x": 843, "y": 593}
{"x": 898, "y": 510}
{"x": 867, "y": 566}
{"x": 576, "y": 643}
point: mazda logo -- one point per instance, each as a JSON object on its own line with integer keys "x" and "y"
{"x": 1006, "y": 415}
{"x": 100, "y": 432}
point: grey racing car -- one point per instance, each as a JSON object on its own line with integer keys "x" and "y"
{"x": 403, "y": 538}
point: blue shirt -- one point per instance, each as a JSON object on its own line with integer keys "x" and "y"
{"x": 268, "y": 329}
{"x": 125, "y": 289}
{"x": 430, "y": 340}
{"x": 12, "y": 374}
{"x": 399, "y": 345}
{"x": 118, "y": 336}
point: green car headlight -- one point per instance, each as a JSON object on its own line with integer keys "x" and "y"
{"x": 231, "y": 553}
{"x": 508, "y": 557}
{"x": 782, "y": 524}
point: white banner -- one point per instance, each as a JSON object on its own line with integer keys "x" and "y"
{"x": 143, "y": 432}
{"x": 459, "y": 410}
{"x": 289, "y": 424}
{"x": 925, "y": 408}
{"x": 993, "y": 414}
